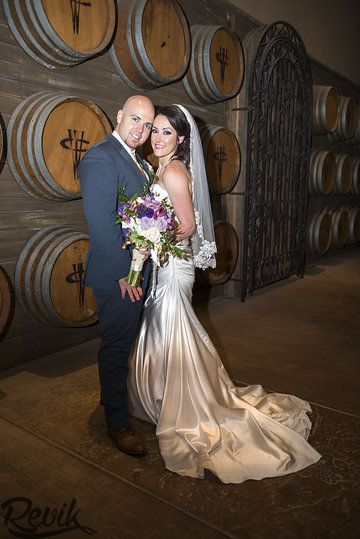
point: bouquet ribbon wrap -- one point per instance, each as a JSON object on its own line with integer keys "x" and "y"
{"x": 136, "y": 267}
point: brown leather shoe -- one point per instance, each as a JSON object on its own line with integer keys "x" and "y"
{"x": 127, "y": 441}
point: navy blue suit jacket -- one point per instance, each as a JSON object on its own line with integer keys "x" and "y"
{"x": 106, "y": 167}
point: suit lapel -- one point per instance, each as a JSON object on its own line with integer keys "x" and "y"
{"x": 120, "y": 148}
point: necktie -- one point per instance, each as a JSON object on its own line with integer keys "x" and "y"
{"x": 136, "y": 161}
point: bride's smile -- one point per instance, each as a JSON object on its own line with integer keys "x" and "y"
{"x": 164, "y": 139}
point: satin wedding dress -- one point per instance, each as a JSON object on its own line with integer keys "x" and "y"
{"x": 177, "y": 382}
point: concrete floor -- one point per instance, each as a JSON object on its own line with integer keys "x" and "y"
{"x": 298, "y": 336}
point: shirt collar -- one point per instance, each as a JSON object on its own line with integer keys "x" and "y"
{"x": 130, "y": 151}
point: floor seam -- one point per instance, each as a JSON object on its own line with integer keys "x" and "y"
{"x": 115, "y": 476}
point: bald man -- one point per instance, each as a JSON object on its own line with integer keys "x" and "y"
{"x": 104, "y": 169}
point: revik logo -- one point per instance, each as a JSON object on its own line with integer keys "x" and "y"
{"x": 23, "y": 519}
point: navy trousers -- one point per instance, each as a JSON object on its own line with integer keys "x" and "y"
{"x": 119, "y": 320}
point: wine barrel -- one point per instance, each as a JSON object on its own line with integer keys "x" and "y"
{"x": 355, "y": 140}
{"x": 355, "y": 183}
{"x": 320, "y": 232}
{"x": 48, "y": 278}
{"x": 151, "y": 47}
{"x": 354, "y": 225}
{"x": 5, "y": 300}
{"x": 325, "y": 115}
{"x": 343, "y": 175}
{"x": 222, "y": 157}
{"x": 322, "y": 172}
{"x": 60, "y": 34}
{"x": 48, "y": 136}
{"x": 216, "y": 69}
{"x": 226, "y": 256}
{"x": 348, "y": 118}
{"x": 340, "y": 227}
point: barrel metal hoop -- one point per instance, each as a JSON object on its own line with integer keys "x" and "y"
{"x": 64, "y": 60}
{"x": 66, "y": 241}
{"x": 41, "y": 273}
{"x": 40, "y": 122}
{"x": 48, "y": 28}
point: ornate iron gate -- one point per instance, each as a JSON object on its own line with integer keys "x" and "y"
{"x": 278, "y": 153}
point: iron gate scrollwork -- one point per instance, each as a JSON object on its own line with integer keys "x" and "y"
{"x": 278, "y": 154}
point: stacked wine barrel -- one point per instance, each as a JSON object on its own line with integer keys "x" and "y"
{"x": 55, "y": 36}
{"x": 48, "y": 136}
{"x": 48, "y": 278}
{"x": 152, "y": 43}
{"x": 216, "y": 69}
{"x": 334, "y": 173}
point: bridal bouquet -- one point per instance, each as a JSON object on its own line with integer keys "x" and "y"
{"x": 148, "y": 222}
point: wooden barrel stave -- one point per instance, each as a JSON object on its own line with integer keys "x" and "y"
{"x": 95, "y": 127}
{"x": 28, "y": 259}
{"x": 145, "y": 16}
{"x": 30, "y": 24}
{"x": 355, "y": 140}
{"x": 27, "y": 153}
{"x": 322, "y": 172}
{"x": 347, "y": 120}
{"x": 47, "y": 182}
{"x": 340, "y": 227}
{"x": 35, "y": 46}
{"x": 40, "y": 39}
{"x": 200, "y": 82}
{"x": 122, "y": 56}
{"x": 36, "y": 282}
{"x": 325, "y": 118}
{"x": 133, "y": 61}
{"x": 36, "y": 143}
{"x": 32, "y": 284}
{"x": 343, "y": 176}
{"x": 101, "y": 23}
{"x": 18, "y": 160}
{"x": 355, "y": 183}
{"x": 20, "y": 34}
{"x": 320, "y": 232}
{"x": 39, "y": 288}
{"x": 354, "y": 224}
{"x": 53, "y": 298}
{"x": 202, "y": 79}
{"x": 190, "y": 81}
{"x": 221, "y": 183}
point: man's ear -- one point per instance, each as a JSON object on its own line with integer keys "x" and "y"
{"x": 181, "y": 139}
{"x": 119, "y": 116}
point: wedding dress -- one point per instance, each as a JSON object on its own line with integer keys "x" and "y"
{"x": 177, "y": 382}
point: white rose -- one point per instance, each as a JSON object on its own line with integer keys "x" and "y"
{"x": 152, "y": 235}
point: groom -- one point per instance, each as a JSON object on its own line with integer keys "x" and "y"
{"x": 104, "y": 169}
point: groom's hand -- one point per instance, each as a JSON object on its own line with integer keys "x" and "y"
{"x": 135, "y": 292}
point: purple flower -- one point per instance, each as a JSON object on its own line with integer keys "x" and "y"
{"x": 161, "y": 224}
{"x": 146, "y": 223}
{"x": 125, "y": 231}
{"x": 147, "y": 212}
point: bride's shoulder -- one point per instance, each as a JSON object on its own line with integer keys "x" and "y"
{"x": 176, "y": 171}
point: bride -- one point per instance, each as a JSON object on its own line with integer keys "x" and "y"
{"x": 177, "y": 380}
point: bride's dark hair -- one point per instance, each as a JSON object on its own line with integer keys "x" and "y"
{"x": 179, "y": 122}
